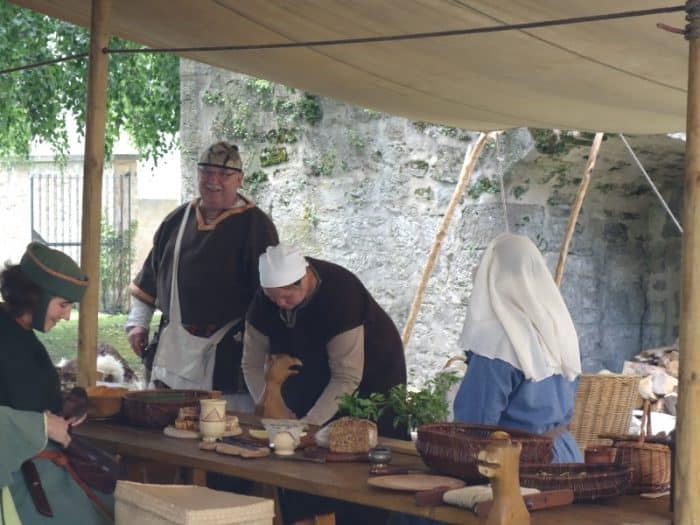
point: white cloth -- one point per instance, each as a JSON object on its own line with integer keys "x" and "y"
{"x": 517, "y": 313}
{"x": 184, "y": 360}
{"x": 140, "y": 314}
{"x": 281, "y": 265}
{"x": 467, "y": 497}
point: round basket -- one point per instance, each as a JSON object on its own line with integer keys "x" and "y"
{"x": 588, "y": 482}
{"x": 650, "y": 464}
{"x": 159, "y": 408}
{"x": 452, "y": 448}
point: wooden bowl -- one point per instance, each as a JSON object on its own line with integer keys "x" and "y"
{"x": 105, "y": 401}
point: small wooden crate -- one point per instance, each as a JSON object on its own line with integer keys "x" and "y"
{"x": 145, "y": 504}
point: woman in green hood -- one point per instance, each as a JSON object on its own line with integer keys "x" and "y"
{"x": 38, "y": 292}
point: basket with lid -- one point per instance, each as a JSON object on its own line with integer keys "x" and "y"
{"x": 453, "y": 448}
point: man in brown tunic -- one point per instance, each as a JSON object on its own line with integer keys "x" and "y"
{"x": 221, "y": 234}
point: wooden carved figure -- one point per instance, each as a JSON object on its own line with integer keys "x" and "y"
{"x": 499, "y": 462}
{"x": 278, "y": 368}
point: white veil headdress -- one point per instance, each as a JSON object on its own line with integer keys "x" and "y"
{"x": 517, "y": 313}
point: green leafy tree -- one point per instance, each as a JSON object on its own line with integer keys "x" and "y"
{"x": 144, "y": 89}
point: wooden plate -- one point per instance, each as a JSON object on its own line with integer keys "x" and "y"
{"x": 414, "y": 482}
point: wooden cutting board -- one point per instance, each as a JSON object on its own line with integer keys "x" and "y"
{"x": 415, "y": 482}
{"x": 334, "y": 457}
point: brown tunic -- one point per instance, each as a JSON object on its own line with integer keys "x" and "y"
{"x": 218, "y": 275}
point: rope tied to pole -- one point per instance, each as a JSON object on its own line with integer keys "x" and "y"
{"x": 692, "y": 29}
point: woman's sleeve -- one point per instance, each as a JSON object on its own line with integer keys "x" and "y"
{"x": 485, "y": 391}
{"x": 22, "y": 435}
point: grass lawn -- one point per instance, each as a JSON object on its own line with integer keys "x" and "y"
{"x": 62, "y": 340}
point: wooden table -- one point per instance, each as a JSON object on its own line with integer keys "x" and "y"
{"x": 348, "y": 481}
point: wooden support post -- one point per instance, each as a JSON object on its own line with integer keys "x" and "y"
{"x": 687, "y": 463}
{"x": 92, "y": 189}
{"x": 576, "y": 209}
{"x": 470, "y": 158}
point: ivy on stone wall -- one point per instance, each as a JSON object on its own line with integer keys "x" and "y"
{"x": 270, "y": 156}
{"x": 558, "y": 142}
{"x": 482, "y": 185}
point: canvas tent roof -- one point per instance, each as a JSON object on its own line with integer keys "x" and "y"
{"x": 615, "y": 75}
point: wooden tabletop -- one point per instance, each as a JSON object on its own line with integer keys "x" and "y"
{"x": 348, "y": 481}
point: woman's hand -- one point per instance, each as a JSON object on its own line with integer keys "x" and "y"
{"x": 57, "y": 429}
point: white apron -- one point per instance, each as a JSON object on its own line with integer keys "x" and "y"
{"x": 184, "y": 360}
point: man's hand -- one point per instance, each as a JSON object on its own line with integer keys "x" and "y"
{"x": 57, "y": 429}
{"x": 138, "y": 339}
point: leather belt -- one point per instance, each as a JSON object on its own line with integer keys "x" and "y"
{"x": 36, "y": 491}
{"x": 557, "y": 431}
{"x": 60, "y": 459}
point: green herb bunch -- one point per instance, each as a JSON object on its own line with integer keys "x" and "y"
{"x": 428, "y": 405}
{"x": 370, "y": 408}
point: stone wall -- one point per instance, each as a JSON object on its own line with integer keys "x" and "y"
{"x": 368, "y": 191}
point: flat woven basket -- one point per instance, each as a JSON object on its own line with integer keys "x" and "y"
{"x": 588, "y": 482}
{"x": 159, "y": 408}
{"x": 452, "y": 449}
{"x": 604, "y": 404}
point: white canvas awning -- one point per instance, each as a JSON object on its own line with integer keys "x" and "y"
{"x": 616, "y": 75}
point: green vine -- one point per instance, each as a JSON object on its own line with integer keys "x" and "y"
{"x": 144, "y": 89}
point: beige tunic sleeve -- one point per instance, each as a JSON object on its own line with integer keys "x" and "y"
{"x": 346, "y": 358}
{"x": 256, "y": 347}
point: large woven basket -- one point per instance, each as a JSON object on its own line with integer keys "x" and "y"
{"x": 604, "y": 404}
{"x": 159, "y": 408}
{"x": 452, "y": 449}
{"x": 588, "y": 482}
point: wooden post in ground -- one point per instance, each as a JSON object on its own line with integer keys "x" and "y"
{"x": 92, "y": 189}
{"x": 470, "y": 158}
{"x": 687, "y": 464}
{"x": 576, "y": 209}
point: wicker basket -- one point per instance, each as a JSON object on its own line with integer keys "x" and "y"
{"x": 648, "y": 457}
{"x": 604, "y": 404}
{"x": 452, "y": 448}
{"x": 588, "y": 482}
{"x": 159, "y": 408}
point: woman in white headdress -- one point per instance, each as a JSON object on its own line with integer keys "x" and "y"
{"x": 522, "y": 347}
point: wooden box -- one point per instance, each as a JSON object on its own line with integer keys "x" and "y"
{"x": 148, "y": 504}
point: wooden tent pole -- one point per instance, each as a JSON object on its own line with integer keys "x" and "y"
{"x": 686, "y": 503}
{"x": 576, "y": 209}
{"x": 96, "y": 111}
{"x": 470, "y": 157}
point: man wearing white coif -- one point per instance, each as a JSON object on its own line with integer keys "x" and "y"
{"x": 322, "y": 314}
{"x": 522, "y": 348}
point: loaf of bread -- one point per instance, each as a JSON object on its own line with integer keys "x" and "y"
{"x": 352, "y": 435}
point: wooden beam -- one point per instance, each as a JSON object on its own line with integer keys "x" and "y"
{"x": 470, "y": 158}
{"x": 96, "y": 111}
{"x": 687, "y": 463}
{"x": 576, "y": 209}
